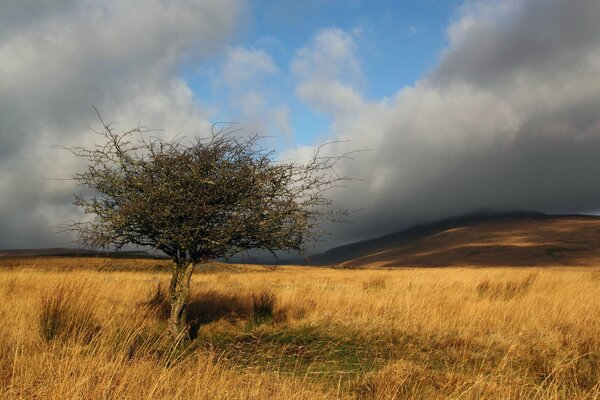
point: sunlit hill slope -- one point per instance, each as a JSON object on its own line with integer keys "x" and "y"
{"x": 516, "y": 239}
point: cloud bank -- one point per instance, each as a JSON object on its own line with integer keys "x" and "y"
{"x": 59, "y": 59}
{"x": 508, "y": 119}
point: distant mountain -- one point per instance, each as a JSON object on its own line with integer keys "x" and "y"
{"x": 514, "y": 239}
{"x": 68, "y": 252}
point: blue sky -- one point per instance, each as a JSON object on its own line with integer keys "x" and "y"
{"x": 397, "y": 42}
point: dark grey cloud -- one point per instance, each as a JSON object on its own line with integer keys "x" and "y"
{"x": 58, "y": 59}
{"x": 19, "y": 14}
{"x": 497, "y": 41}
{"x": 507, "y": 120}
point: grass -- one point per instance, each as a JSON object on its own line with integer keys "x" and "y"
{"x": 81, "y": 329}
{"x": 263, "y": 306}
{"x": 65, "y": 312}
{"x": 506, "y": 289}
{"x": 375, "y": 282}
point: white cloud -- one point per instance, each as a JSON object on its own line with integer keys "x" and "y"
{"x": 330, "y": 97}
{"x": 329, "y": 71}
{"x": 332, "y": 54}
{"x": 243, "y": 65}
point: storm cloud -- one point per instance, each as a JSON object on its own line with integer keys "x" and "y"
{"x": 507, "y": 120}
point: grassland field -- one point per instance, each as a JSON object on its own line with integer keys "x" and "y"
{"x": 93, "y": 328}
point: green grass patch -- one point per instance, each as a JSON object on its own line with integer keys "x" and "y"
{"x": 301, "y": 351}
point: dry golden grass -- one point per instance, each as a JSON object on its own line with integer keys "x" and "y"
{"x": 503, "y": 333}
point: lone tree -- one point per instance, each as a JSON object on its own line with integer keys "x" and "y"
{"x": 199, "y": 199}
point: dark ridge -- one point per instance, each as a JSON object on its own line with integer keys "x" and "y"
{"x": 69, "y": 252}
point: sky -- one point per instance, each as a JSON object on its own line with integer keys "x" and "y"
{"x": 461, "y": 105}
{"x": 392, "y": 42}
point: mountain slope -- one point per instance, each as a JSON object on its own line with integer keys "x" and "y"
{"x": 516, "y": 239}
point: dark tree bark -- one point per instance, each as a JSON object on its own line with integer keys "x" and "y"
{"x": 179, "y": 295}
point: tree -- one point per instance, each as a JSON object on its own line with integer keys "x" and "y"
{"x": 200, "y": 199}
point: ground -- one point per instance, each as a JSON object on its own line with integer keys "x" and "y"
{"x": 92, "y": 328}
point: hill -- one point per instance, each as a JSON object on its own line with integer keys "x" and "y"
{"x": 69, "y": 252}
{"x": 515, "y": 239}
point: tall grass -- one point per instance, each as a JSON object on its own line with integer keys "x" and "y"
{"x": 263, "y": 306}
{"x": 506, "y": 289}
{"x": 67, "y": 312}
{"x": 501, "y": 333}
{"x": 375, "y": 282}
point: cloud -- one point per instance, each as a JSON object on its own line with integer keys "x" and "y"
{"x": 59, "y": 59}
{"x": 244, "y": 64}
{"x": 329, "y": 71}
{"x": 246, "y": 74}
{"x": 19, "y": 14}
{"x": 507, "y": 120}
{"x": 498, "y": 41}
{"x": 330, "y": 97}
{"x": 332, "y": 54}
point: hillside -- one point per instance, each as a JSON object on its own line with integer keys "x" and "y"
{"x": 71, "y": 252}
{"x": 516, "y": 239}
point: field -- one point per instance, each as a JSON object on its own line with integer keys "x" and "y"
{"x": 90, "y": 328}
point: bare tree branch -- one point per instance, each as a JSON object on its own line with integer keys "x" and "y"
{"x": 197, "y": 199}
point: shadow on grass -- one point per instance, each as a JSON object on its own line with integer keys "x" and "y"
{"x": 210, "y": 306}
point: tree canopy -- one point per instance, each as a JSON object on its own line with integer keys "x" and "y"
{"x": 200, "y": 198}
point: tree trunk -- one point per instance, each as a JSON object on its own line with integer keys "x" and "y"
{"x": 179, "y": 293}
